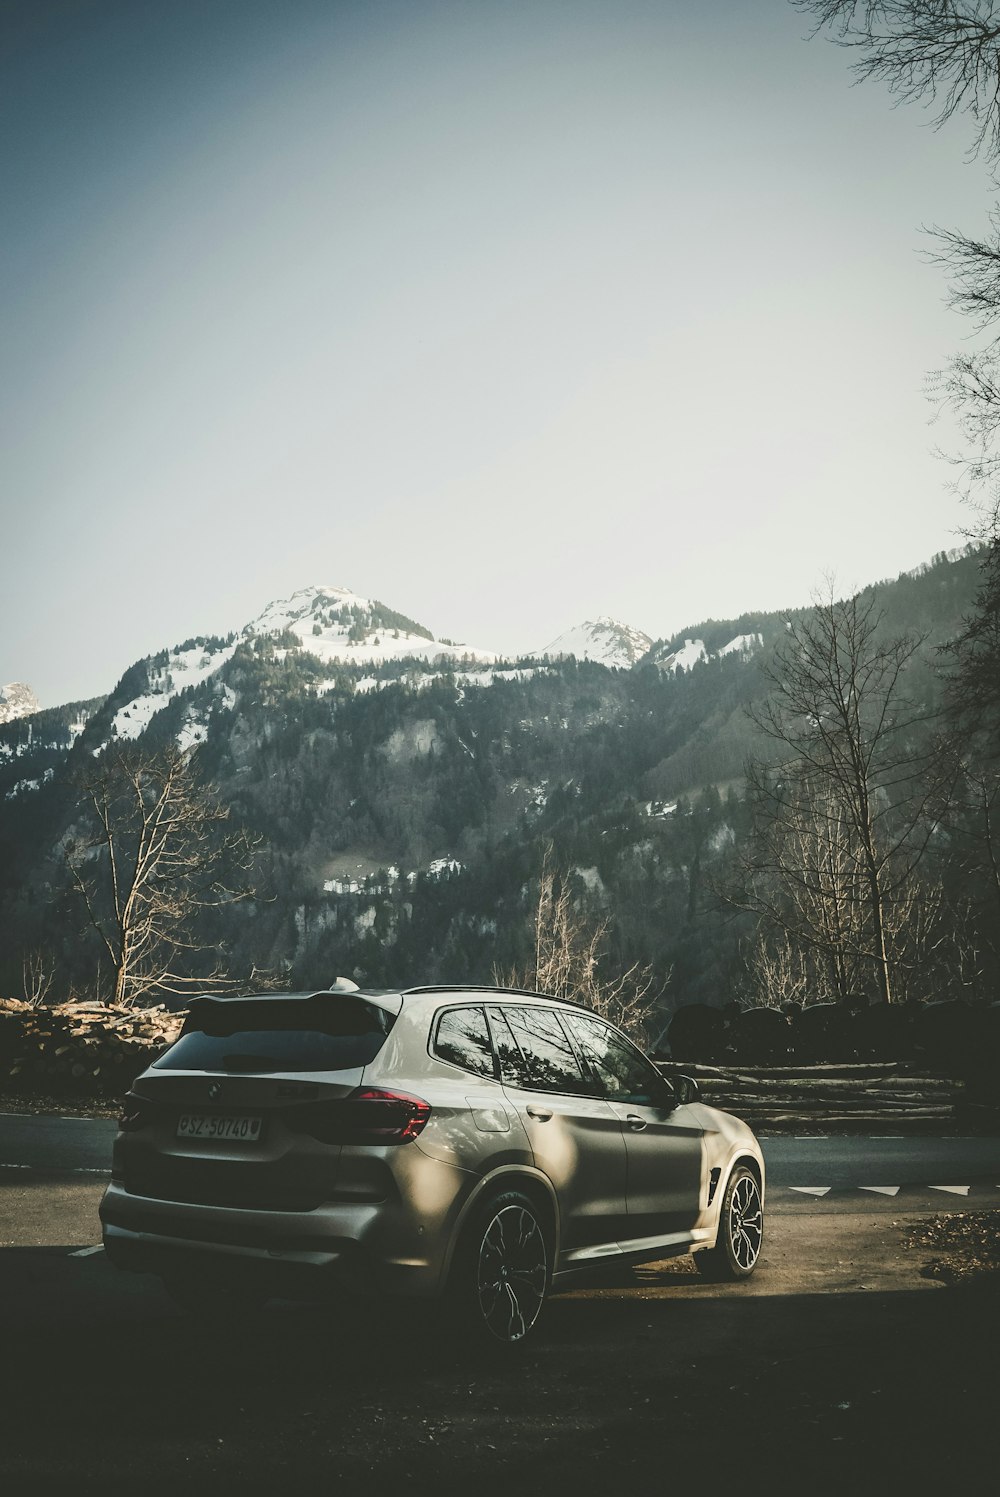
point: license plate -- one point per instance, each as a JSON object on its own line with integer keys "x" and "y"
{"x": 246, "y": 1130}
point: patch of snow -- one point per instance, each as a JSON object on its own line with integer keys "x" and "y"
{"x": 23, "y": 787}
{"x": 183, "y": 668}
{"x": 658, "y": 808}
{"x": 192, "y": 732}
{"x": 691, "y": 652}
{"x": 362, "y": 885}
{"x": 467, "y": 679}
{"x": 743, "y": 644}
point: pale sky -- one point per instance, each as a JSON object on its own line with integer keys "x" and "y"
{"x": 510, "y": 313}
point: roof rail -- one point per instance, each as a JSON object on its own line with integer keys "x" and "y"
{"x": 472, "y": 987}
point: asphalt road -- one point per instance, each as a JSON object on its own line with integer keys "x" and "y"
{"x": 838, "y": 1367}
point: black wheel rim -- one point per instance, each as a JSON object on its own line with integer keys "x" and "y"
{"x": 746, "y": 1223}
{"x": 511, "y": 1273}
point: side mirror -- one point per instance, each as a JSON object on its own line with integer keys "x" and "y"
{"x": 685, "y": 1090}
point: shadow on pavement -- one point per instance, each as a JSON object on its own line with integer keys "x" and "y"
{"x": 105, "y": 1385}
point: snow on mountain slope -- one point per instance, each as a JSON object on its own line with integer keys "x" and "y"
{"x": 336, "y": 624}
{"x": 604, "y": 640}
{"x": 183, "y": 668}
{"x": 330, "y": 622}
{"x": 690, "y": 653}
{"x": 684, "y": 657}
{"x": 743, "y": 644}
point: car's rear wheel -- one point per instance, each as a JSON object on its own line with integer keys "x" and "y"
{"x": 741, "y": 1230}
{"x": 502, "y": 1273}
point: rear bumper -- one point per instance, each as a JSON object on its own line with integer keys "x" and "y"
{"x": 372, "y": 1247}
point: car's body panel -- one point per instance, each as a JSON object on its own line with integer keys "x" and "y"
{"x": 577, "y": 1143}
{"x": 665, "y": 1160}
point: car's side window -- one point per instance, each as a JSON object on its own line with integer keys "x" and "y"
{"x": 463, "y": 1038}
{"x": 623, "y": 1074}
{"x": 535, "y": 1051}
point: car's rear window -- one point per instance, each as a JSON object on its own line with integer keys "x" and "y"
{"x": 290, "y": 1035}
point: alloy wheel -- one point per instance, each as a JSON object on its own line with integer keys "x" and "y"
{"x": 746, "y": 1223}
{"x": 512, "y": 1273}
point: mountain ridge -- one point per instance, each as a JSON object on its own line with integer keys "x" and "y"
{"x": 453, "y": 772}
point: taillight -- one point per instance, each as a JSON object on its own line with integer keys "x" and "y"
{"x": 136, "y": 1113}
{"x": 367, "y": 1116}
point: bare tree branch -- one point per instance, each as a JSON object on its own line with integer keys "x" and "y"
{"x": 567, "y": 961}
{"x": 158, "y": 855}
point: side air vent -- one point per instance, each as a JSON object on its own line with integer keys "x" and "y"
{"x": 713, "y": 1185}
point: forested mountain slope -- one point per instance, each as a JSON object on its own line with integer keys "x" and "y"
{"x": 403, "y": 804}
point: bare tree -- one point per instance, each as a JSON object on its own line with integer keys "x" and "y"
{"x": 37, "y": 974}
{"x": 778, "y": 969}
{"x": 932, "y": 949}
{"x": 801, "y": 875}
{"x": 157, "y": 854}
{"x": 844, "y": 819}
{"x": 945, "y": 54}
{"x": 942, "y": 53}
{"x": 567, "y": 961}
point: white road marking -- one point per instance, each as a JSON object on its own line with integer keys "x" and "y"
{"x": 882, "y": 1190}
{"x": 812, "y": 1190}
{"x": 53, "y": 1169}
{"x": 63, "y": 1117}
{"x": 86, "y": 1252}
{"x": 955, "y": 1190}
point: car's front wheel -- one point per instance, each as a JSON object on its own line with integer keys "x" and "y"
{"x": 741, "y": 1230}
{"x": 503, "y": 1269}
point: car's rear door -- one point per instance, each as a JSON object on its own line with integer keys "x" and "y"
{"x": 575, "y": 1136}
{"x": 664, "y": 1144}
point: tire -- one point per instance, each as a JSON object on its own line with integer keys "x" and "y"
{"x": 502, "y": 1273}
{"x": 741, "y": 1231}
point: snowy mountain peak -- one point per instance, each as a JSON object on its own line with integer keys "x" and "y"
{"x": 604, "y": 640}
{"x": 283, "y": 613}
{"x": 17, "y": 700}
{"x": 332, "y": 623}
{"x": 336, "y": 624}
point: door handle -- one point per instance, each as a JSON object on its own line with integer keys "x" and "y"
{"x": 635, "y": 1122}
{"x": 540, "y": 1114}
